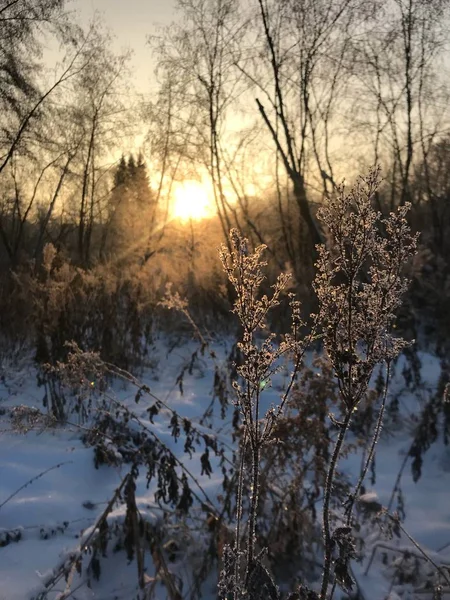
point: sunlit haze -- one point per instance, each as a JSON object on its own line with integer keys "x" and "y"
{"x": 192, "y": 200}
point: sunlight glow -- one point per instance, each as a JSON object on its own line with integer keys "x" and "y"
{"x": 192, "y": 200}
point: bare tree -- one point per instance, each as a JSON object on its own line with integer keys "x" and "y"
{"x": 103, "y": 121}
{"x": 21, "y": 202}
{"x": 63, "y": 142}
{"x": 198, "y": 55}
{"x": 296, "y": 74}
{"x": 22, "y": 25}
{"x": 396, "y": 64}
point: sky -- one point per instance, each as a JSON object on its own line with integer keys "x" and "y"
{"x": 131, "y": 21}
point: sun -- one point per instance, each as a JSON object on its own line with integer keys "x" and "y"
{"x": 192, "y": 200}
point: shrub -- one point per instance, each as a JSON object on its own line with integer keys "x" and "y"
{"x": 99, "y": 309}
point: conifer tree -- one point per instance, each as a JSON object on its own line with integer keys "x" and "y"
{"x": 120, "y": 174}
{"x": 132, "y": 207}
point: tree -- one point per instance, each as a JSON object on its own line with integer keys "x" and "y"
{"x": 432, "y": 196}
{"x": 132, "y": 209}
{"x": 63, "y": 141}
{"x": 197, "y": 54}
{"x": 22, "y": 25}
{"x": 399, "y": 95}
{"x": 32, "y": 156}
{"x": 300, "y": 79}
{"x": 21, "y": 202}
{"x": 102, "y": 119}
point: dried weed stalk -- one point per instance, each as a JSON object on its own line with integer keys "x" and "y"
{"x": 359, "y": 285}
{"x": 244, "y": 573}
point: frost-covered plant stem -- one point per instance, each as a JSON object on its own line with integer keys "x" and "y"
{"x": 328, "y": 549}
{"x": 261, "y": 357}
{"x": 373, "y": 443}
{"x": 359, "y": 285}
{"x": 68, "y": 566}
{"x": 239, "y": 500}
{"x": 253, "y": 508}
{"x": 32, "y": 480}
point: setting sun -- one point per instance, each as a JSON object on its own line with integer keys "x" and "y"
{"x": 192, "y": 200}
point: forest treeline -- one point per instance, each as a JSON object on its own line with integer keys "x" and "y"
{"x": 274, "y": 102}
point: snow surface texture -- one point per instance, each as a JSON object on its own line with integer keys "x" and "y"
{"x": 48, "y": 519}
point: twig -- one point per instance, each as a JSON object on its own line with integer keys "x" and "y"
{"x": 326, "y": 505}
{"x": 33, "y": 479}
{"x": 416, "y": 544}
{"x": 376, "y": 436}
{"x": 63, "y": 569}
{"x": 125, "y": 375}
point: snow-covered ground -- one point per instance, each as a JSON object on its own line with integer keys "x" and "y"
{"x": 45, "y": 521}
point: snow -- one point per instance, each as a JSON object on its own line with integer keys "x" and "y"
{"x": 51, "y": 516}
